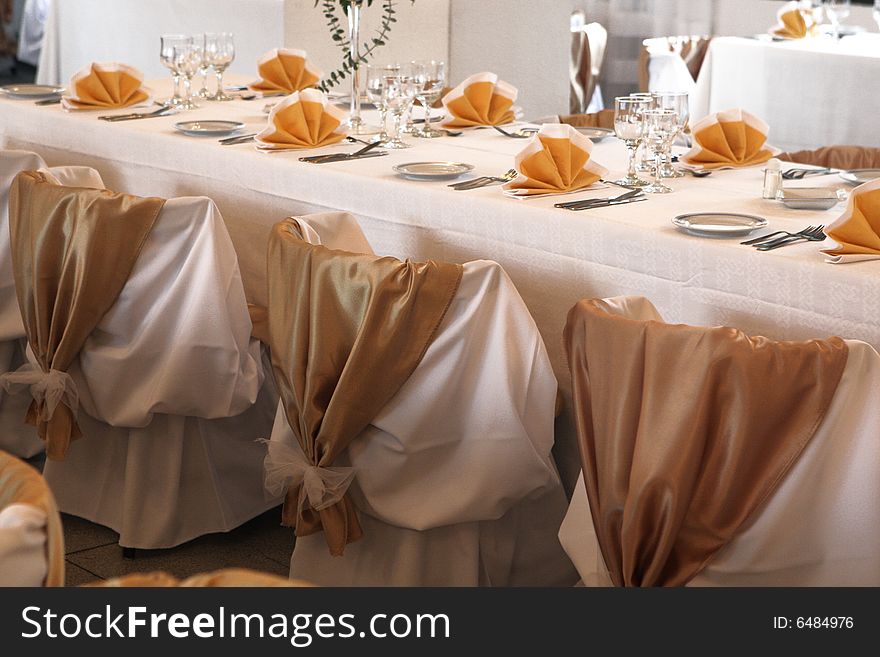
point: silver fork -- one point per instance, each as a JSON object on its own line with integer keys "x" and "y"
{"x": 771, "y": 237}
{"x": 512, "y": 135}
{"x": 484, "y": 181}
{"x": 815, "y": 235}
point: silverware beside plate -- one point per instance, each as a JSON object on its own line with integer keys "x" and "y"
{"x": 208, "y": 128}
{"x": 341, "y": 157}
{"x": 432, "y": 170}
{"x": 134, "y": 116}
{"x": 718, "y": 224}
{"x": 595, "y": 134}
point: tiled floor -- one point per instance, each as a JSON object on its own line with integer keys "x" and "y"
{"x": 93, "y": 552}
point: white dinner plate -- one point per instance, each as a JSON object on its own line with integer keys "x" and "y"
{"x": 433, "y": 170}
{"x": 596, "y": 134}
{"x": 860, "y": 176}
{"x": 719, "y": 224}
{"x": 31, "y": 91}
{"x": 208, "y": 128}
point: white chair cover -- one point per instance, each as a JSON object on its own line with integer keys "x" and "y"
{"x": 172, "y": 394}
{"x": 33, "y": 24}
{"x": 454, "y": 479}
{"x": 821, "y": 526}
{"x": 16, "y": 437}
{"x": 667, "y": 70}
{"x": 22, "y": 546}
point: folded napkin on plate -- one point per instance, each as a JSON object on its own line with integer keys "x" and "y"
{"x": 106, "y": 86}
{"x": 283, "y": 71}
{"x": 482, "y": 99}
{"x": 729, "y": 139}
{"x": 792, "y": 21}
{"x": 556, "y": 161}
{"x": 305, "y": 119}
{"x": 857, "y": 230}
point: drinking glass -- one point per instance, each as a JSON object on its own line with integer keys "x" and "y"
{"x": 187, "y": 59}
{"x": 400, "y": 91}
{"x": 661, "y": 126}
{"x": 166, "y": 56}
{"x": 376, "y": 76}
{"x": 838, "y": 11}
{"x": 431, "y": 78}
{"x": 220, "y": 53}
{"x": 676, "y": 101}
{"x": 644, "y": 163}
{"x": 202, "y": 40}
{"x": 629, "y": 125}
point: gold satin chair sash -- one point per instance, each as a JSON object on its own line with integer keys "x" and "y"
{"x": 73, "y": 250}
{"x": 228, "y": 577}
{"x": 21, "y": 484}
{"x": 685, "y": 432}
{"x": 346, "y": 332}
{"x": 837, "y": 157}
{"x": 600, "y": 119}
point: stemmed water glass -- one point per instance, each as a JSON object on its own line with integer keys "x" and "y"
{"x": 676, "y": 101}
{"x": 399, "y": 92}
{"x": 187, "y": 60}
{"x": 430, "y": 78}
{"x": 219, "y": 53}
{"x": 838, "y": 11}
{"x": 629, "y": 125}
{"x": 661, "y": 126}
{"x": 202, "y": 40}
{"x": 376, "y": 76}
{"x": 167, "y": 42}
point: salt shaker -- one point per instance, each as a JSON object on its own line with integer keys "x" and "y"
{"x": 772, "y": 178}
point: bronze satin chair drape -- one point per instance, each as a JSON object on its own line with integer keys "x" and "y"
{"x": 836, "y": 157}
{"x": 685, "y": 432}
{"x": 346, "y": 331}
{"x": 228, "y": 577}
{"x": 22, "y": 484}
{"x": 600, "y": 119}
{"x": 72, "y": 252}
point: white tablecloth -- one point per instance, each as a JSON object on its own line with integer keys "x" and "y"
{"x": 79, "y": 32}
{"x": 554, "y": 257}
{"x": 812, "y": 92}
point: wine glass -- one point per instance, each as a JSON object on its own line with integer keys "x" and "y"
{"x": 376, "y": 76}
{"x": 399, "y": 92}
{"x": 661, "y": 126}
{"x": 629, "y": 125}
{"x": 220, "y": 53}
{"x": 877, "y": 13}
{"x": 187, "y": 59}
{"x": 431, "y": 78}
{"x": 202, "y": 40}
{"x": 838, "y": 11}
{"x": 676, "y": 101}
{"x": 166, "y": 56}
{"x": 644, "y": 163}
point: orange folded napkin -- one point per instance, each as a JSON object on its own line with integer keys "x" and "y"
{"x": 792, "y": 19}
{"x": 283, "y": 71}
{"x": 556, "y": 161}
{"x": 482, "y": 99}
{"x": 105, "y": 86}
{"x": 305, "y": 119}
{"x": 857, "y": 230}
{"x": 729, "y": 139}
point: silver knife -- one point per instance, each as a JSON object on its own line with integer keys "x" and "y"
{"x": 344, "y": 157}
{"x": 604, "y": 204}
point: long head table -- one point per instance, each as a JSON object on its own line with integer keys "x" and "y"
{"x": 555, "y": 257}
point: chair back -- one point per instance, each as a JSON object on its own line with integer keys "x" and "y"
{"x": 837, "y": 157}
{"x": 588, "y": 43}
{"x": 677, "y": 62}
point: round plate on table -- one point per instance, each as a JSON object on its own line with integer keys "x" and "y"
{"x": 719, "y": 224}
{"x": 860, "y": 176}
{"x": 208, "y": 128}
{"x": 596, "y": 134}
{"x": 31, "y": 91}
{"x": 433, "y": 170}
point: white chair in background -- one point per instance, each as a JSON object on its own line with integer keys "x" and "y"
{"x": 588, "y": 43}
{"x": 819, "y": 527}
{"x": 672, "y": 63}
{"x": 16, "y": 437}
{"x": 454, "y": 481}
{"x": 172, "y": 394}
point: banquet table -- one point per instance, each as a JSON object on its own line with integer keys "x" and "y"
{"x": 813, "y": 92}
{"x": 555, "y": 257}
{"x": 79, "y": 32}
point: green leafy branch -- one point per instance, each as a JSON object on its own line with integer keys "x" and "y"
{"x": 339, "y": 34}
